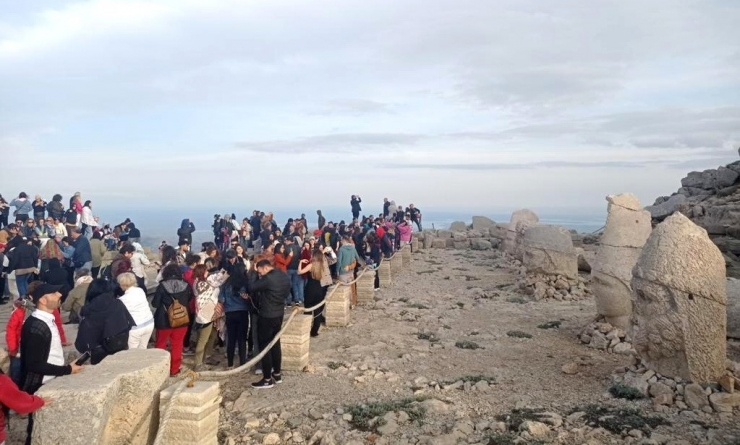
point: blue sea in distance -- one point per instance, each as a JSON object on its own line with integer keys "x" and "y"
{"x": 159, "y": 225}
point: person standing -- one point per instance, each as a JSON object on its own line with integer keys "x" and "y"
{"x": 322, "y": 220}
{"x": 173, "y": 292}
{"x": 98, "y": 251}
{"x": 236, "y": 308}
{"x": 355, "y": 203}
{"x": 42, "y": 356}
{"x": 88, "y": 220}
{"x": 22, "y": 207}
{"x": 415, "y": 214}
{"x": 137, "y": 305}
{"x": 55, "y": 208}
{"x": 318, "y": 281}
{"x": 296, "y": 281}
{"x": 347, "y": 260}
{"x": 270, "y": 290}
{"x": 82, "y": 257}
{"x": 39, "y": 208}
{"x": 23, "y": 260}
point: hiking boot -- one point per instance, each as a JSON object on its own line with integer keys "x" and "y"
{"x": 264, "y": 384}
{"x": 278, "y": 378}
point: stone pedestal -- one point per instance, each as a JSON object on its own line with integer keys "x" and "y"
{"x": 295, "y": 342}
{"x": 114, "y": 402}
{"x": 193, "y": 414}
{"x": 415, "y": 246}
{"x": 366, "y": 288}
{"x": 396, "y": 265}
{"x": 384, "y": 273}
{"x": 406, "y": 256}
{"x": 337, "y": 307}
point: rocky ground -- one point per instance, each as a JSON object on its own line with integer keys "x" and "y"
{"x": 454, "y": 353}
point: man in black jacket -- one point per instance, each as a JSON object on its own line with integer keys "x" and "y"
{"x": 42, "y": 356}
{"x": 355, "y": 204}
{"x": 270, "y": 292}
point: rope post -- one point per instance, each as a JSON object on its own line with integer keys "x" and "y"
{"x": 396, "y": 264}
{"x": 406, "y": 256}
{"x": 189, "y": 414}
{"x": 295, "y": 343}
{"x": 384, "y": 273}
{"x": 366, "y": 287}
{"x": 337, "y": 311}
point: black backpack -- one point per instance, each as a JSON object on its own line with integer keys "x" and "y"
{"x": 70, "y": 216}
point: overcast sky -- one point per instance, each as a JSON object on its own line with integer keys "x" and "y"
{"x": 476, "y": 105}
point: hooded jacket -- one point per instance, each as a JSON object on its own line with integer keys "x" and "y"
{"x": 404, "y": 231}
{"x": 83, "y": 253}
{"x": 102, "y": 317}
{"x": 185, "y": 232}
{"x": 56, "y": 210}
{"x": 269, "y": 293}
{"x": 346, "y": 255}
{"x": 167, "y": 292}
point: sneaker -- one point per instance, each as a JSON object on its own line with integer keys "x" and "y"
{"x": 258, "y": 371}
{"x": 278, "y": 378}
{"x": 264, "y": 384}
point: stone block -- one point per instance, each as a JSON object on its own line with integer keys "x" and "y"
{"x": 337, "y": 309}
{"x": 384, "y": 273}
{"x": 482, "y": 223}
{"x": 120, "y": 401}
{"x": 295, "y": 343}
{"x": 512, "y": 236}
{"x": 366, "y": 288}
{"x": 396, "y": 264}
{"x": 414, "y": 246}
{"x": 439, "y": 243}
{"x": 406, "y": 256}
{"x": 193, "y": 414}
{"x": 458, "y": 226}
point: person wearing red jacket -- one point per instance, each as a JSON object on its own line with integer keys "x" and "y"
{"x": 13, "y": 398}
{"x": 13, "y": 336}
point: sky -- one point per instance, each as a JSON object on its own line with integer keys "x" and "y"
{"x": 449, "y": 104}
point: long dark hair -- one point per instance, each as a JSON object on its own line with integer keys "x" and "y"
{"x": 169, "y": 254}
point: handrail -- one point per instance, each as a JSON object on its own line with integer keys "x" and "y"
{"x": 190, "y": 377}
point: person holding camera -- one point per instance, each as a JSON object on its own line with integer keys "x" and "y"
{"x": 355, "y": 203}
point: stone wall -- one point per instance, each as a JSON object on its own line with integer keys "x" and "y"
{"x": 114, "y": 402}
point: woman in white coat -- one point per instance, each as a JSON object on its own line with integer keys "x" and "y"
{"x": 134, "y": 298}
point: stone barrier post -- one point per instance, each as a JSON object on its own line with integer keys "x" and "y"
{"x": 406, "y": 255}
{"x": 295, "y": 342}
{"x": 336, "y": 310}
{"x": 396, "y": 265}
{"x": 415, "y": 245}
{"x": 366, "y": 288}
{"x": 384, "y": 273}
{"x": 193, "y": 414}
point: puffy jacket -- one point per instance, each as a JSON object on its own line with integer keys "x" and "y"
{"x": 13, "y": 329}
{"x": 167, "y": 292}
{"x": 103, "y": 317}
{"x": 24, "y": 256}
{"x": 404, "y": 231}
{"x": 56, "y": 210}
{"x": 270, "y": 292}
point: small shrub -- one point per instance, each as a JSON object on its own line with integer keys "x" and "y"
{"x": 466, "y": 344}
{"x": 518, "y": 416}
{"x": 622, "y": 391}
{"x": 335, "y": 365}
{"x": 403, "y": 300}
{"x": 363, "y": 414}
{"x": 518, "y": 334}
{"x": 619, "y": 420}
{"x": 550, "y": 325}
{"x": 518, "y": 300}
{"x": 447, "y": 327}
{"x": 427, "y": 336}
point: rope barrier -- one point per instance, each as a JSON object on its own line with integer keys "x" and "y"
{"x": 190, "y": 377}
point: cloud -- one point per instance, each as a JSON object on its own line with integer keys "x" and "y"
{"x": 353, "y": 107}
{"x": 333, "y": 143}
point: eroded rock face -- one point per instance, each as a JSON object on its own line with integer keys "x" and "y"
{"x": 678, "y": 323}
{"x": 114, "y": 402}
{"x": 549, "y": 250}
{"x": 627, "y": 229}
{"x": 733, "y": 308}
{"x": 512, "y": 235}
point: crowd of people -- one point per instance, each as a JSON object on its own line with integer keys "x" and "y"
{"x": 232, "y": 294}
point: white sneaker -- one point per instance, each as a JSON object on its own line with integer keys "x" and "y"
{"x": 258, "y": 371}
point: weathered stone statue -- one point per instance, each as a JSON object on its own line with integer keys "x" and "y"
{"x": 513, "y": 237}
{"x": 549, "y": 250}
{"x": 627, "y": 229}
{"x": 678, "y": 322}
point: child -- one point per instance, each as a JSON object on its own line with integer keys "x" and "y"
{"x": 13, "y": 398}
{"x": 21, "y": 308}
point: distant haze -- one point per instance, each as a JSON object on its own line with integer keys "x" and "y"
{"x": 477, "y": 107}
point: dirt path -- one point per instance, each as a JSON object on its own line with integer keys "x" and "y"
{"x": 406, "y": 345}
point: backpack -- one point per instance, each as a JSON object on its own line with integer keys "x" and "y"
{"x": 106, "y": 273}
{"x": 177, "y": 314}
{"x": 70, "y": 216}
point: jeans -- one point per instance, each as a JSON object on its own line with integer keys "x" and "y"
{"x": 267, "y": 329}
{"x": 253, "y": 340}
{"x": 237, "y": 327}
{"x": 418, "y": 224}
{"x": 139, "y": 338}
{"x": 22, "y": 282}
{"x": 15, "y": 370}
{"x": 175, "y": 337}
{"x": 296, "y": 286}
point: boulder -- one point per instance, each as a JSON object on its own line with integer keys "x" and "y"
{"x": 523, "y": 215}
{"x": 480, "y": 244}
{"x": 667, "y": 208}
{"x": 733, "y": 308}
{"x": 439, "y": 243}
{"x": 678, "y": 325}
{"x": 428, "y": 240}
{"x": 482, "y": 223}
{"x": 499, "y": 231}
{"x": 549, "y": 250}
{"x": 113, "y": 402}
{"x": 458, "y": 226}
{"x": 626, "y": 230}
{"x": 444, "y": 234}
{"x": 584, "y": 259}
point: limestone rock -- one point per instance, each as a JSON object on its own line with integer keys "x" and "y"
{"x": 724, "y": 402}
{"x": 627, "y": 228}
{"x": 733, "y": 308}
{"x": 695, "y": 397}
{"x": 480, "y": 244}
{"x": 482, "y": 223}
{"x": 114, "y": 402}
{"x": 523, "y": 215}
{"x": 584, "y": 259}
{"x": 667, "y": 208}
{"x": 678, "y": 286}
{"x": 549, "y": 250}
{"x": 537, "y": 430}
{"x": 458, "y": 226}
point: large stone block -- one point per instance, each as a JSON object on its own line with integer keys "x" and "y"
{"x": 366, "y": 288}
{"x": 396, "y": 264}
{"x": 439, "y": 243}
{"x": 384, "y": 273}
{"x": 679, "y": 293}
{"x": 295, "y": 343}
{"x": 733, "y": 308}
{"x": 549, "y": 250}
{"x": 482, "y": 223}
{"x": 511, "y": 240}
{"x": 414, "y": 246}
{"x": 406, "y": 256}
{"x": 193, "y": 414}
{"x": 114, "y": 402}
{"x": 458, "y": 226}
